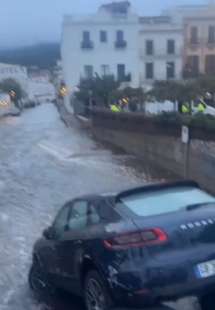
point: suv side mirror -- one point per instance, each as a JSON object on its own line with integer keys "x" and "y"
{"x": 48, "y": 233}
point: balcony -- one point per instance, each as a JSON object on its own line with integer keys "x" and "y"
{"x": 87, "y": 45}
{"x": 159, "y": 54}
{"x": 121, "y": 44}
{"x": 194, "y": 44}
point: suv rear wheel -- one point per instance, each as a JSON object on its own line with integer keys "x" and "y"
{"x": 96, "y": 294}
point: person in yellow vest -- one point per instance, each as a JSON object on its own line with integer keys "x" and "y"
{"x": 201, "y": 106}
{"x": 185, "y": 108}
{"x": 115, "y": 108}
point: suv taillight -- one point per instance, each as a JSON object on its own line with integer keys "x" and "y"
{"x": 153, "y": 236}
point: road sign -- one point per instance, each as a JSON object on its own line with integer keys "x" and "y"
{"x": 185, "y": 134}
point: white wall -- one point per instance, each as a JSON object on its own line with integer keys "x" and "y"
{"x": 160, "y": 57}
{"x": 133, "y": 56}
{"x": 74, "y": 58}
{"x": 160, "y": 107}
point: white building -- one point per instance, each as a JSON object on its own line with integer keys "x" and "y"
{"x": 136, "y": 50}
{"x": 160, "y": 49}
{"x": 15, "y": 72}
{"x": 105, "y": 43}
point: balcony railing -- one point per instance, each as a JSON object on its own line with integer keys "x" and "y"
{"x": 121, "y": 44}
{"x": 160, "y": 54}
{"x": 87, "y": 45}
{"x": 193, "y": 44}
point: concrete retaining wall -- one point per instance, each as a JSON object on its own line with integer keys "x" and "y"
{"x": 160, "y": 146}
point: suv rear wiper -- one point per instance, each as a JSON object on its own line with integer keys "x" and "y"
{"x": 198, "y": 205}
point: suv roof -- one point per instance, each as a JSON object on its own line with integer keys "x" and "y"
{"x": 156, "y": 187}
{"x": 140, "y": 189}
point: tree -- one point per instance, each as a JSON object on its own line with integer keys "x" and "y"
{"x": 13, "y": 88}
{"x": 98, "y": 88}
{"x": 174, "y": 91}
{"x": 135, "y": 96}
{"x": 206, "y": 84}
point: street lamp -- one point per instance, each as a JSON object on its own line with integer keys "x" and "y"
{"x": 63, "y": 90}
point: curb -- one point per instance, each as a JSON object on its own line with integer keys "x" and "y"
{"x": 65, "y": 115}
{"x": 9, "y": 114}
{"x": 68, "y": 118}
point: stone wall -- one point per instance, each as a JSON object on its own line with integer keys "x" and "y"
{"x": 159, "y": 144}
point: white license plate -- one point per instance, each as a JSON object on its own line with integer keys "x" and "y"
{"x": 206, "y": 270}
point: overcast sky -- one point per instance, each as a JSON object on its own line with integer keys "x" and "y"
{"x": 32, "y": 21}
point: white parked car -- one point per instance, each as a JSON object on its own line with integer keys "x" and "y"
{"x": 208, "y": 111}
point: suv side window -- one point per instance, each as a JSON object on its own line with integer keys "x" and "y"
{"x": 107, "y": 212}
{"x": 93, "y": 215}
{"x": 78, "y": 217}
{"x": 60, "y": 222}
{"x": 101, "y": 212}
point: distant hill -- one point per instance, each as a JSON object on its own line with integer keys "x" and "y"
{"x": 41, "y": 55}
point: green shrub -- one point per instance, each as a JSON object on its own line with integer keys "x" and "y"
{"x": 203, "y": 121}
{"x": 168, "y": 118}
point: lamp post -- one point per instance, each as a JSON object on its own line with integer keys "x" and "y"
{"x": 90, "y": 99}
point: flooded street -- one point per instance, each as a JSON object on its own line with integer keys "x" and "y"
{"x": 42, "y": 165}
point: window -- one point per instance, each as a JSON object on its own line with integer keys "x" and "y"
{"x": 121, "y": 72}
{"x": 105, "y": 70}
{"x": 78, "y": 216}
{"x": 93, "y": 215}
{"x": 86, "y": 36}
{"x": 103, "y": 36}
{"x": 211, "y": 34}
{"x": 171, "y": 47}
{"x": 120, "y": 41}
{"x": 170, "y": 70}
{"x": 149, "y": 70}
{"x": 106, "y": 212}
{"x": 86, "y": 42}
{"x": 149, "y": 47}
{"x": 165, "y": 200}
{"x": 193, "y": 65}
{"x": 88, "y": 72}
{"x": 60, "y": 222}
{"x": 194, "y": 35}
{"x": 210, "y": 64}
{"x": 120, "y": 36}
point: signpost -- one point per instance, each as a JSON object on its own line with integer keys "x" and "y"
{"x": 185, "y": 134}
{"x": 185, "y": 138}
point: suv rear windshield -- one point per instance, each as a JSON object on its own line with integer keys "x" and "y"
{"x": 165, "y": 200}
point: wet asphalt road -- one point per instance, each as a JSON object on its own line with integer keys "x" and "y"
{"x": 42, "y": 165}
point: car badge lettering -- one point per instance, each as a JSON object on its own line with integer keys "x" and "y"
{"x": 197, "y": 224}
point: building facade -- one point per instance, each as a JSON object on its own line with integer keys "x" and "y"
{"x": 103, "y": 44}
{"x": 139, "y": 50}
{"x": 200, "y": 42}
{"x": 160, "y": 49}
{"x": 199, "y": 38}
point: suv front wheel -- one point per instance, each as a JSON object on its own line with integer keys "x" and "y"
{"x": 38, "y": 281}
